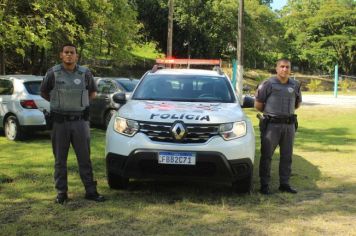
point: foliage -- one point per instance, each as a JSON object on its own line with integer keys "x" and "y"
{"x": 322, "y": 33}
{"x": 314, "y": 34}
{"x": 344, "y": 84}
{"x": 146, "y": 51}
{"x": 314, "y": 85}
{"x": 33, "y": 31}
{"x": 208, "y": 29}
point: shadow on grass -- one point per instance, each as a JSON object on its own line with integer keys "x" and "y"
{"x": 306, "y": 138}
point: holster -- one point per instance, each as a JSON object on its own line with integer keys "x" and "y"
{"x": 295, "y": 122}
{"x": 86, "y": 114}
{"x": 263, "y": 122}
{"x": 48, "y": 118}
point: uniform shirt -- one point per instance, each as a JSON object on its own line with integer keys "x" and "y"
{"x": 265, "y": 89}
{"x": 49, "y": 79}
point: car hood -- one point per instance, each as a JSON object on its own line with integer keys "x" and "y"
{"x": 188, "y": 112}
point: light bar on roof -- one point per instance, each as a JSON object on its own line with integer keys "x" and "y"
{"x": 175, "y": 61}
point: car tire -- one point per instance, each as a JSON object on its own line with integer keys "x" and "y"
{"x": 243, "y": 185}
{"x": 116, "y": 181}
{"x": 108, "y": 116}
{"x": 12, "y": 128}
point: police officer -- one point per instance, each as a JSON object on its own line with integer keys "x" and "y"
{"x": 68, "y": 87}
{"x": 277, "y": 98}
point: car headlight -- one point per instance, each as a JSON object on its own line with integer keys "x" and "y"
{"x": 125, "y": 126}
{"x": 233, "y": 130}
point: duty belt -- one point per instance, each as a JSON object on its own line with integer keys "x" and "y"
{"x": 61, "y": 118}
{"x": 281, "y": 120}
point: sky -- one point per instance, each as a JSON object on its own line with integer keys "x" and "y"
{"x": 278, "y": 4}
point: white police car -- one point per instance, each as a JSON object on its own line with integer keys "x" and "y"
{"x": 181, "y": 124}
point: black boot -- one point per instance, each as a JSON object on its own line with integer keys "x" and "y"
{"x": 265, "y": 189}
{"x": 95, "y": 196}
{"x": 61, "y": 198}
{"x": 286, "y": 188}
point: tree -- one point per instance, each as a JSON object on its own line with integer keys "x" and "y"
{"x": 321, "y": 33}
{"x": 33, "y": 31}
{"x": 208, "y": 28}
{"x": 331, "y": 36}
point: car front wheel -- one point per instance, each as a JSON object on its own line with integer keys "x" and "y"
{"x": 116, "y": 181}
{"x": 243, "y": 185}
{"x": 12, "y": 128}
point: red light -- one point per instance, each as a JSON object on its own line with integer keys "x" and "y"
{"x": 28, "y": 104}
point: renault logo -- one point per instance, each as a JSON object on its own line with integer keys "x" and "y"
{"x": 178, "y": 131}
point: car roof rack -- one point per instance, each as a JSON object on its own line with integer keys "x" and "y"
{"x": 156, "y": 67}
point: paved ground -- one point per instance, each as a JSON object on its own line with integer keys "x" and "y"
{"x": 329, "y": 100}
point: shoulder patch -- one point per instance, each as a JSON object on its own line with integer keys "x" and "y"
{"x": 290, "y": 89}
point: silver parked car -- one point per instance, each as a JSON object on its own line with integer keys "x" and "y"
{"x": 102, "y": 107}
{"x": 21, "y": 106}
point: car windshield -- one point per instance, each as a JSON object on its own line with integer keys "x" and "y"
{"x": 193, "y": 88}
{"x": 33, "y": 87}
{"x": 128, "y": 85}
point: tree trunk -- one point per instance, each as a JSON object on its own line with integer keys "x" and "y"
{"x": 109, "y": 49}
{"x": 2, "y": 61}
{"x": 42, "y": 62}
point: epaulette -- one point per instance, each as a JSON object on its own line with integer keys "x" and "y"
{"x": 56, "y": 68}
{"x": 82, "y": 69}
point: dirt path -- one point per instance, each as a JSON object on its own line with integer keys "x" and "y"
{"x": 329, "y": 100}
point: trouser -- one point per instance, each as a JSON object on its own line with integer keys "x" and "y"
{"x": 76, "y": 133}
{"x": 276, "y": 134}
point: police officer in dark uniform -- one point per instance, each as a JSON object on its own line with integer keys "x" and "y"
{"x": 68, "y": 87}
{"x": 277, "y": 98}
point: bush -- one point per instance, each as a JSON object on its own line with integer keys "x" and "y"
{"x": 314, "y": 85}
{"x": 344, "y": 85}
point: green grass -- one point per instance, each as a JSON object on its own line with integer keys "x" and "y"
{"x": 147, "y": 51}
{"x": 324, "y": 167}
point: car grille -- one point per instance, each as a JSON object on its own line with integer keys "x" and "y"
{"x": 196, "y": 133}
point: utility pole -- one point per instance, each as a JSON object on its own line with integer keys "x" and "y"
{"x": 170, "y": 29}
{"x": 240, "y": 69}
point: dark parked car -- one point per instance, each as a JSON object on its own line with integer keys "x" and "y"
{"x": 102, "y": 107}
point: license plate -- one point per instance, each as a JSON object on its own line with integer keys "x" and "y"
{"x": 176, "y": 158}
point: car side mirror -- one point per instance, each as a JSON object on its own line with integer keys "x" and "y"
{"x": 119, "y": 98}
{"x": 248, "y": 102}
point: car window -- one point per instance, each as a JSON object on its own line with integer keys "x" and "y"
{"x": 113, "y": 88}
{"x": 128, "y": 85}
{"x": 33, "y": 87}
{"x": 106, "y": 87}
{"x": 185, "y": 88}
{"x": 6, "y": 87}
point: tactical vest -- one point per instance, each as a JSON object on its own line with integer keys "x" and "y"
{"x": 69, "y": 94}
{"x": 281, "y": 101}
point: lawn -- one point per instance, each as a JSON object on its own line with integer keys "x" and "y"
{"x": 324, "y": 168}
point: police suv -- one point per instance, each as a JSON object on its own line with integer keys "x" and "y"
{"x": 181, "y": 124}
